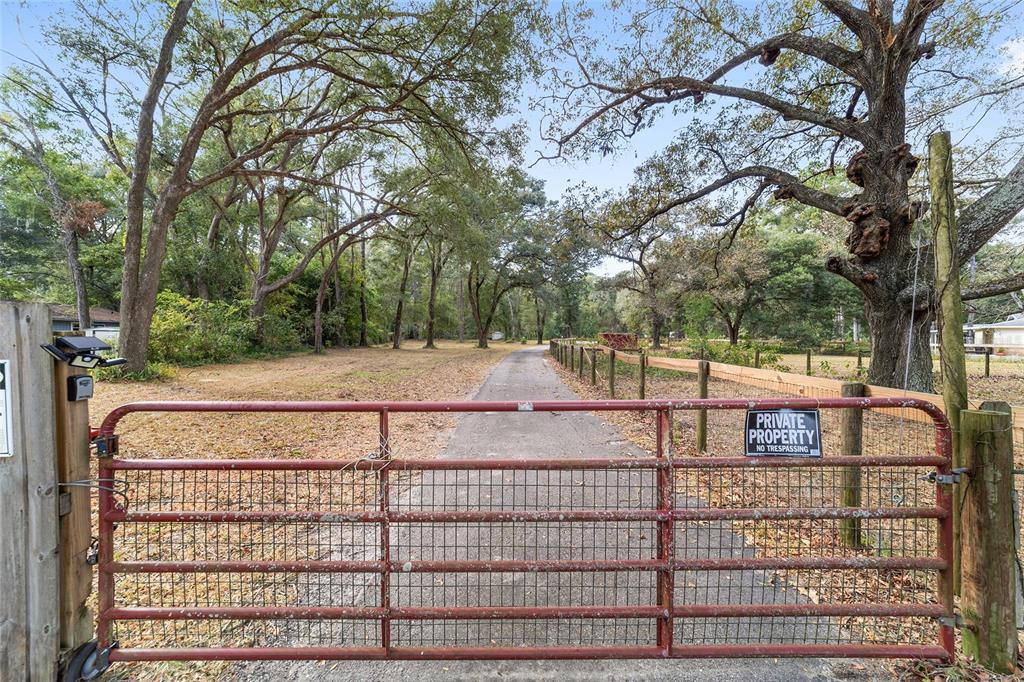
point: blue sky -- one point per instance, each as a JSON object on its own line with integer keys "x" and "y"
{"x": 21, "y": 22}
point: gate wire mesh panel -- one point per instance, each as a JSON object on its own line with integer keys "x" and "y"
{"x": 245, "y": 543}
{"x": 628, "y": 557}
{"x": 885, "y": 431}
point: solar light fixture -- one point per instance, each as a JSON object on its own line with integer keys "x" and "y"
{"x": 82, "y": 351}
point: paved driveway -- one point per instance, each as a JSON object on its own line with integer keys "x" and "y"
{"x": 527, "y": 375}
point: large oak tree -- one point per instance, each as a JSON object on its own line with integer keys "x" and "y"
{"x": 771, "y": 96}
{"x": 157, "y": 85}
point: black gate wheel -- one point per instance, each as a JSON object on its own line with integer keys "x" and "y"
{"x": 83, "y": 664}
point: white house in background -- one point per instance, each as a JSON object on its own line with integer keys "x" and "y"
{"x": 1009, "y": 332}
{"x": 1006, "y": 337}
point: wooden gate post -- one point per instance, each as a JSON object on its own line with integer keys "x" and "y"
{"x": 29, "y": 605}
{"x": 611, "y": 373}
{"x": 988, "y": 362}
{"x": 808, "y": 363}
{"x": 643, "y": 374}
{"x": 949, "y": 310}
{"x": 988, "y": 556}
{"x": 593, "y": 366}
{"x": 757, "y": 358}
{"x": 582, "y": 351}
{"x": 851, "y": 444}
{"x": 72, "y": 420}
{"x": 703, "y": 370}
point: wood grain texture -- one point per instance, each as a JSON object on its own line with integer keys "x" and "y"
{"x": 72, "y": 422}
{"x": 988, "y": 557}
{"x": 29, "y": 620}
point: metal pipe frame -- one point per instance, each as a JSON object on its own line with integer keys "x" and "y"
{"x": 665, "y": 514}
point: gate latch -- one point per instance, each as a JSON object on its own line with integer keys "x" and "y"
{"x": 951, "y": 478}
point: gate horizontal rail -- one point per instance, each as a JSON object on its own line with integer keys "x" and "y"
{"x": 627, "y": 519}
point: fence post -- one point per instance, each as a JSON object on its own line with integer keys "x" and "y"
{"x": 703, "y": 370}
{"x": 611, "y": 373}
{"x": 72, "y": 424}
{"x": 851, "y": 435}
{"x": 593, "y": 366}
{"x": 949, "y": 309}
{"x": 860, "y": 358}
{"x": 757, "y": 358}
{"x": 643, "y": 374}
{"x": 30, "y": 607}
{"x": 582, "y": 351}
{"x": 988, "y": 360}
{"x": 987, "y": 555}
{"x": 808, "y": 363}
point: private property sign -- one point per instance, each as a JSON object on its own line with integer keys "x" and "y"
{"x": 6, "y": 426}
{"x": 783, "y": 433}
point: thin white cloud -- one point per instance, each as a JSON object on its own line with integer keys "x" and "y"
{"x": 1013, "y": 54}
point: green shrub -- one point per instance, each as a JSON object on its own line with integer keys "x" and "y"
{"x": 279, "y": 334}
{"x": 193, "y": 331}
{"x": 155, "y": 371}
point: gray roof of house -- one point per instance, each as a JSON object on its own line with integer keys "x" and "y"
{"x": 1005, "y": 324}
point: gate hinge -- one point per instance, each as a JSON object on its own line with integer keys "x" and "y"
{"x": 952, "y": 478}
{"x": 106, "y": 446}
{"x": 953, "y": 621}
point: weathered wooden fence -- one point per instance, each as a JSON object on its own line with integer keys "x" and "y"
{"x": 45, "y": 511}
{"x": 29, "y": 630}
{"x": 759, "y": 378}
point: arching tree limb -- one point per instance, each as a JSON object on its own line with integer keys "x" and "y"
{"x": 1005, "y": 285}
{"x": 983, "y": 219}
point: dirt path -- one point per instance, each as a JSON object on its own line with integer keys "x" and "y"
{"x": 521, "y": 376}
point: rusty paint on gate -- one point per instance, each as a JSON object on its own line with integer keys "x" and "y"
{"x": 665, "y": 565}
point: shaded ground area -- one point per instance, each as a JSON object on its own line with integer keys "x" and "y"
{"x": 521, "y": 376}
{"x": 452, "y": 372}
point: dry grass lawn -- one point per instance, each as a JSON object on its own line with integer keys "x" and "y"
{"x": 1005, "y": 383}
{"x": 452, "y": 372}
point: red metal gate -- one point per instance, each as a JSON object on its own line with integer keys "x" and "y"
{"x": 664, "y": 556}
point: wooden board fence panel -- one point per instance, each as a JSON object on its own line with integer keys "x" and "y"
{"x": 29, "y": 619}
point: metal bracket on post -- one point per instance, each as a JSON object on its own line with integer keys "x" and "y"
{"x": 954, "y": 621}
{"x": 106, "y": 446}
{"x": 951, "y": 478}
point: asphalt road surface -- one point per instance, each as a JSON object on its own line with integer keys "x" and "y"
{"x": 527, "y": 375}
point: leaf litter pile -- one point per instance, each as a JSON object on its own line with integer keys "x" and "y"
{"x": 452, "y": 372}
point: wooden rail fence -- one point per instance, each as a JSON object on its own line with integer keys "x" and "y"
{"x": 988, "y": 435}
{"x": 787, "y": 383}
